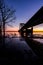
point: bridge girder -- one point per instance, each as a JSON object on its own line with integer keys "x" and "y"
{"x": 35, "y": 20}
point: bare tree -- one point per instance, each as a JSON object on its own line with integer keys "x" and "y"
{"x": 6, "y": 16}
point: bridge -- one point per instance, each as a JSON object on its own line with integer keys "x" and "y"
{"x": 36, "y": 19}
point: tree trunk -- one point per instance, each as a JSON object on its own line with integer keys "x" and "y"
{"x": 3, "y": 34}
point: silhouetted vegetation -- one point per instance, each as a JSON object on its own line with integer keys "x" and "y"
{"x": 6, "y": 16}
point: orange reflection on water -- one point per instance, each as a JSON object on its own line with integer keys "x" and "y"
{"x": 12, "y": 33}
{"x": 38, "y": 32}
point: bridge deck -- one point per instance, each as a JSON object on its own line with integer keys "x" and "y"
{"x": 35, "y": 20}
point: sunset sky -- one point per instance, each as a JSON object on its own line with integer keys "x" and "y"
{"x": 25, "y": 9}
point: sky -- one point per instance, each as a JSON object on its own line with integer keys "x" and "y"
{"x": 25, "y": 9}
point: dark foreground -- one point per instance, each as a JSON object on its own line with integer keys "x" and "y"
{"x": 18, "y": 52}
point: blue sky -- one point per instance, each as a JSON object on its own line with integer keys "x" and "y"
{"x": 25, "y": 9}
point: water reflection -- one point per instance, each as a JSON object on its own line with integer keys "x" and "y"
{"x": 39, "y": 40}
{"x": 38, "y": 33}
{"x": 25, "y": 49}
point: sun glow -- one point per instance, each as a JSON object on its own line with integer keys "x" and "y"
{"x": 38, "y": 31}
{"x": 14, "y": 30}
{"x": 38, "y": 27}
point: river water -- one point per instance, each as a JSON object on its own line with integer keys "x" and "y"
{"x": 39, "y": 40}
{"x": 38, "y": 34}
{"x": 25, "y": 51}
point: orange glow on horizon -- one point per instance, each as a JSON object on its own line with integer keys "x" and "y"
{"x": 35, "y": 30}
{"x": 38, "y": 29}
{"x": 12, "y": 29}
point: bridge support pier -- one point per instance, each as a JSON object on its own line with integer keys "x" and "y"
{"x": 27, "y": 32}
{"x": 31, "y": 31}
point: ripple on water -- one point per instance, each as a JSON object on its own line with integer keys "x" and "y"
{"x": 39, "y": 40}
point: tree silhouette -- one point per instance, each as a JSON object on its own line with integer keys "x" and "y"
{"x": 6, "y": 16}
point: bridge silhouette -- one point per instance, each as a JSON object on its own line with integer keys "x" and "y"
{"x": 36, "y": 19}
